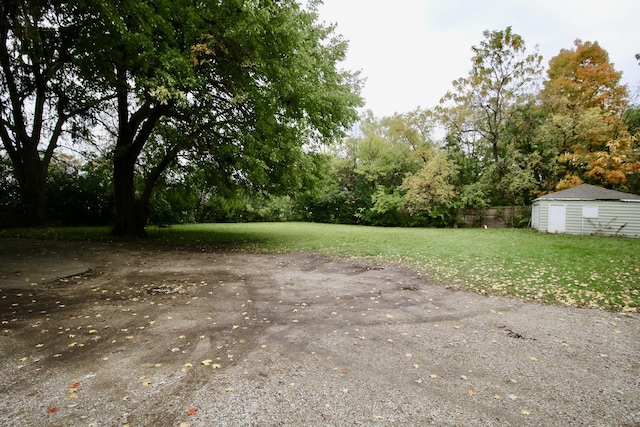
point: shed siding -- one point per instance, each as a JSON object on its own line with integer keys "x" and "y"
{"x": 614, "y": 218}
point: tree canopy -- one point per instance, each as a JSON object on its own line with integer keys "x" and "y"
{"x": 586, "y": 102}
{"x": 42, "y": 98}
{"x": 245, "y": 85}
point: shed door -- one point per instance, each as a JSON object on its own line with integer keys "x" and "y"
{"x": 557, "y": 215}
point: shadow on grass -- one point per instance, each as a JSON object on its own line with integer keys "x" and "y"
{"x": 210, "y": 239}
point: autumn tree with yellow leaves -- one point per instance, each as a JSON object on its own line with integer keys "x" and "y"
{"x": 585, "y": 103}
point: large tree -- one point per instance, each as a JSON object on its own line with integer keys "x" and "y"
{"x": 244, "y": 85}
{"x": 585, "y": 101}
{"x": 42, "y": 97}
{"x": 504, "y": 75}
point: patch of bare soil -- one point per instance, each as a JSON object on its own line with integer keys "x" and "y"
{"x": 113, "y": 335}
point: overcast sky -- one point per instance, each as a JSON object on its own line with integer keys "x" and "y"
{"x": 411, "y": 50}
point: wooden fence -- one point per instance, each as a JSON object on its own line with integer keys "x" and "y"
{"x": 496, "y": 217}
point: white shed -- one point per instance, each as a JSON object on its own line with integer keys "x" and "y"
{"x": 587, "y": 209}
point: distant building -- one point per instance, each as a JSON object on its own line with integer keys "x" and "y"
{"x": 587, "y": 209}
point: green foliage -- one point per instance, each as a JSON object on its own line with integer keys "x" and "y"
{"x": 243, "y": 86}
{"x": 367, "y": 171}
{"x": 10, "y": 207}
{"x": 42, "y": 95}
{"x": 431, "y": 192}
{"x": 242, "y": 207}
{"x": 503, "y": 77}
{"x": 78, "y": 194}
{"x": 215, "y": 111}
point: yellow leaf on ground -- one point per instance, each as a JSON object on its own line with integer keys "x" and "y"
{"x": 206, "y": 362}
{"x": 470, "y": 392}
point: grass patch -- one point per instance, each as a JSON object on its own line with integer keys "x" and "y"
{"x": 584, "y": 271}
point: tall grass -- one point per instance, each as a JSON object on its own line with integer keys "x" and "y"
{"x": 587, "y": 271}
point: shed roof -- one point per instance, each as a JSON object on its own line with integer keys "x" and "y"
{"x": 590, "y": 192}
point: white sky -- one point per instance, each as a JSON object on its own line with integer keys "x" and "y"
{"x": 410, "y": 51}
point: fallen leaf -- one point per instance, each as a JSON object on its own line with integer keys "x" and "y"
{"x": 206, "y": 362}
{"x": 192, "y": 411}
{"x": 52, "y": 410}
{"x": 525, "y": 412}
{"x": 534, "y": 359}
{"x": 433, "y": 376}
{"x": 75, "y": 384}
{"x": 470, "y": 392}
{"x": 186, "y": 367}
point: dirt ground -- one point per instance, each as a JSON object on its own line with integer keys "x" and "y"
{"x": 100, "y": 334}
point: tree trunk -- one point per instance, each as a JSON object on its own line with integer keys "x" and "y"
{"x": 134, "y": 130}
{"x": 130, "y": 220}
{"x": 33, "y": 198}
{"x": 31, "y": 174}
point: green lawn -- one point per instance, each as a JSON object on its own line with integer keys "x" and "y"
{"x": 574, "y": 270}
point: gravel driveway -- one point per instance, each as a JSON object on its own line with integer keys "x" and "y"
{"x": 112, "y": 335}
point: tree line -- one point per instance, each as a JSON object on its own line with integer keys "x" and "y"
{"x": 113, "y": 112}
{"x": 508, "y": 132}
